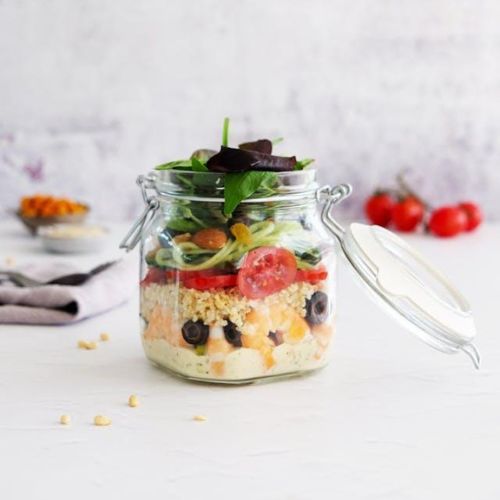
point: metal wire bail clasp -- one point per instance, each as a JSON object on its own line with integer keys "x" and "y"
{"x": 142, "y": 223}
{"x": 331, "y": 196}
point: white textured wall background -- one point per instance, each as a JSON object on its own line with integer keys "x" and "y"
{"x": 94, "y": 92}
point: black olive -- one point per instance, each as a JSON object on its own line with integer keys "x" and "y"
{"x": 232, "y": 334}
{"x": 276, "y": 337}
{"x": 317, "y": 308}
{"x": 195, "y": 332}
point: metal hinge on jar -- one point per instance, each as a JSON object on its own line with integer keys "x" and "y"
{"x": 331, "y": 196}
{"x": 143, "y": 222}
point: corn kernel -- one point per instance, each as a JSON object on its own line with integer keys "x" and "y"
{"x": 64, "y": 419}
{"x": 104, "y": 337}
{"x": 101, "y": 420}
{"x": 200, "y": 418}
{"x": 133, "y": 401}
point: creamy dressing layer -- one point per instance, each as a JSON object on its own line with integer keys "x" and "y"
{"x": 241, "y": 364}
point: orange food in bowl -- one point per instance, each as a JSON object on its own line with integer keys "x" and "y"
{"x": 49, "y": 206}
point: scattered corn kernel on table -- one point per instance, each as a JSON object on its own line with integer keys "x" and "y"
{"x": 389, "y": 418}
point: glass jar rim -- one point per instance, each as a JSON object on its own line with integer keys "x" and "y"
{"x": 209, "y": 186}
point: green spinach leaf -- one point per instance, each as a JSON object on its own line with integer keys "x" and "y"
{"x": 302, "y": 164}
{"x": 174, "y": 164}
{"x": 183, "y": 225}
{"x": 197, "y": 165}
{"x": 241, "y": 185}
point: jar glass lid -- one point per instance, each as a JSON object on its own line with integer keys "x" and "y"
{"x": 407, "y": 286}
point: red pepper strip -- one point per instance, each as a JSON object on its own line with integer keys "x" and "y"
{"x": 208, "y": 282}
{"x": 179, "y": 275}
{"x": 311, "y": 275}
{"x": 154, "y": 275}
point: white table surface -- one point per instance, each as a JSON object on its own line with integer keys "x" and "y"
{"x": 390, "y": 418}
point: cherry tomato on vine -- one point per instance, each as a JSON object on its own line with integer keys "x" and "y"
{"x": 473, "y": 213}
{"x": 407, "y": 214}
{"x": 378, "y": 208}
{"x": 448, "y": 221}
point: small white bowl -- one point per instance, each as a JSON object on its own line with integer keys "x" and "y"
{"x": 73, "y": 238}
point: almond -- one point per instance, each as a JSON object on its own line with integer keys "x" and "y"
{"x": 211, "y": 238}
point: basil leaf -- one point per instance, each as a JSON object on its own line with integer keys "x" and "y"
{"x": 302, "y": 164}
{"x": 174, "y": 164}
{"x": 240, "y": 186}
{"x": 197, "y": 165}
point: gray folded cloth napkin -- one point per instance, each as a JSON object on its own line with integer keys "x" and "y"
{"x": 60, "y": 304}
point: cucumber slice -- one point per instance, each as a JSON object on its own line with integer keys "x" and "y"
{"x": 163, "y": 255}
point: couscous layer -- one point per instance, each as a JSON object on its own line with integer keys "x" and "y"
{"x": 216, "y": 307}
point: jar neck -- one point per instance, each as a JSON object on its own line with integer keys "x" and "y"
{"x": 209, "y": 186}
{"x": 303, "y": 204}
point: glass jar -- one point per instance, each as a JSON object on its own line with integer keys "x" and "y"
{"x": 252, "y": 296}
{"x": 241, "y": 298}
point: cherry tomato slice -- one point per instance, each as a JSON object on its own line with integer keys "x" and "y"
{"x": 207, "y": 282}
{"x": 312, "y": 275}
{"x": 266, "y": 270}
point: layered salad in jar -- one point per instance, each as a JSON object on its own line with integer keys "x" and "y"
{"x": 239, "y": 289}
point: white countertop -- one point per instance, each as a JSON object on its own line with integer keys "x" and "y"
{"x": 390, "y": 418}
